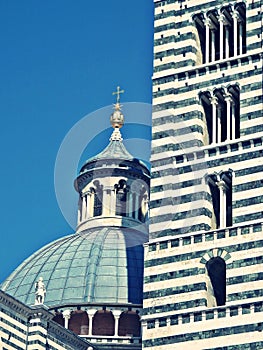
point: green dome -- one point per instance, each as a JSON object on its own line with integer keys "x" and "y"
{"x": 100, "y": 265}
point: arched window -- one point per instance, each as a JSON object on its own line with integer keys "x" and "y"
{"x": 222, "y": 112}
{"x": 205, "y": 99}
{"x": 103, "y": 323}
{"x": 216, "y": 268}
{"x": 129, "y": 324}
{"x": 98, "y": 198}
{"x": 215, "y": 198}
{"x": 221, "y": 33}
{"x": 121, "y": 198}
{"x": 221, "y": 197}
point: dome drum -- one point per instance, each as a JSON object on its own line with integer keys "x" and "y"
{"x": 116, "y": 198}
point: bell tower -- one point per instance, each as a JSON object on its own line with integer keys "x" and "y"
{"x": 202, "y": 276}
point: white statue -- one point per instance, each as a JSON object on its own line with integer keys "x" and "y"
{"x": 40, "y": 291}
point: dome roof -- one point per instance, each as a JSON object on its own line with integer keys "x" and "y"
{"x": 114, "y": 150}
{"x": 99, "y": 265}
{"x": 115, "y": 153}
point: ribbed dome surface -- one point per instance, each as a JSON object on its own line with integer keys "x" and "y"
{"x": 114, "y": 150}
{"x": 100, "y": 265}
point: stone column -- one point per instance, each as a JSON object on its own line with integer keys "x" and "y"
{"x": 228, "y": 100}
{"x": 91, "y": 314}
{"x": 136, "y": 205}
{"x": 88, "y": 198}
{"x": 222, "y": 193}
{"x": 221, "y": 35}
{"x": 79, "y": 210}
{"x": 214, "y": 104}
{"x": 106, "y": 204}
{"x": 233, "y": 117}
{"x": 240, "y": 37}
{"x": 180, "y": 242}
{"x": 113, "y": 202}
{"x": 66, "y": 315}
{"x": 116, "y": 314}
{"x": 84, "y": 208}
{"x": 130, "y": 204}
{"x": 91, "y": 204}
{"x": 128, "y": 199}
{"x": 207, "y": 40}
{"x": 213, "y": 46}
{"x": 235, "y": 22}
{"x": 227, "y": 42}
{"x": 219, "y": 124}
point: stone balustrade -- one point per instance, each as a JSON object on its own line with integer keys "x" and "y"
{"x": 113, "y": 339}
{"x": 197, "y": 237}
{"x": 227, "y": 311}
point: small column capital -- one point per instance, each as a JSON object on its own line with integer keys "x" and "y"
{"x": 222, "y": 185}
{"x": 66, "y": 314}
{"x": 214, "y": 100}
{"x": 91, "y": 312}
{"x": 221, "y": 18}
{"x": 116, "y": 313}
{"x": 228, "y": 97}
{"x": 208, "y": 22}
{"x": 235, "y": 15}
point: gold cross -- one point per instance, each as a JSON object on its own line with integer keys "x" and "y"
{"x": 118, "y": 92}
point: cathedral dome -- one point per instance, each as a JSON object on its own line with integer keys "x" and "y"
{"x": 96, "y": 274}
{"x": 97, "y": 266}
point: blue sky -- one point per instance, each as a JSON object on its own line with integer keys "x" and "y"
{"x": 60, "y": 61}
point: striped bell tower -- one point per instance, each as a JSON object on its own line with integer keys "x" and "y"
{"x": 203, "y": 263}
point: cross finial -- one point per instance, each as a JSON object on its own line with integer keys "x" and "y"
{"x": 118, "y": 92}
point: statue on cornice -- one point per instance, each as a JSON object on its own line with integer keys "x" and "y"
{"x": 40, "y": 292}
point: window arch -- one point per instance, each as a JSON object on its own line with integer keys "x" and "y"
{"x": 216, "y": 269}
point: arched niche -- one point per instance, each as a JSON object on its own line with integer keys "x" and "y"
{"x": 79, "y": 322}
{"x": 129, "y": 324}
{"x": 103, "y": 323}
